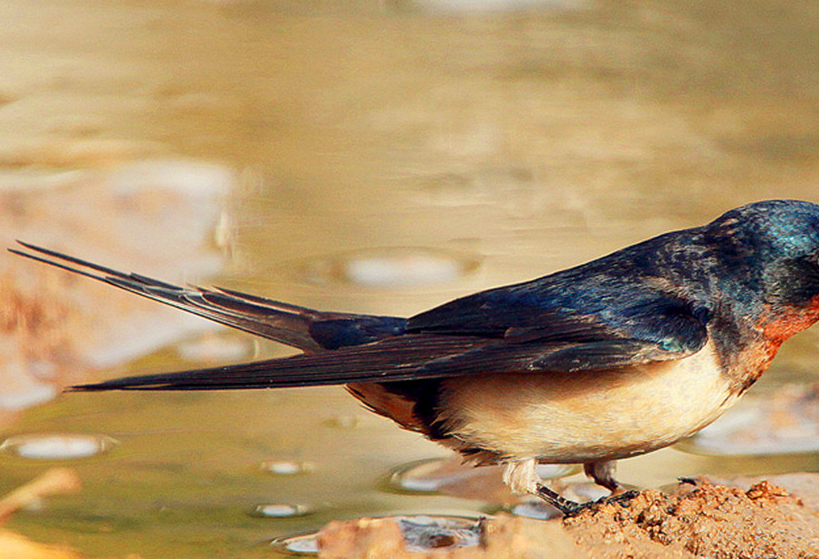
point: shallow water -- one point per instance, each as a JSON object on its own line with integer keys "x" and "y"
{"x": 375, "y": 142}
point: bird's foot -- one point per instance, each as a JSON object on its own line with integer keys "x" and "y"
{"x": 570, "y": 508}
{"x": 622, "y": 499}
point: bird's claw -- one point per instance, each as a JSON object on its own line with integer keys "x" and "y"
{"x": 621, "y": 499}
{"x": 688, "y": 481}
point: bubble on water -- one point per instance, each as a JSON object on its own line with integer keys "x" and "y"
{"x": 281, "y": 510}
{"x": 287, "y": 467}
{"x": 436, "y": 474}
{"x": 57, "y": 446}
{"x": 390, "y": 268}
{"x": 430, "y": 475}
{"x": 423, "y": 476}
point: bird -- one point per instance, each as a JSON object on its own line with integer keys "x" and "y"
{"x": 610, "y": 359}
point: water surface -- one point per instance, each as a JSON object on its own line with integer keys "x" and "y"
{"x": 477, "y": 147}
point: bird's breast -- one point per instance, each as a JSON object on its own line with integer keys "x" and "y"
{"x": 585, "y": 416}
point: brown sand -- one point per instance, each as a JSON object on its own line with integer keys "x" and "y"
{"x": 696, "y": 520}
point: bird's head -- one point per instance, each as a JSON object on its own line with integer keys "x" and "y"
{"x": 768, "y": 254}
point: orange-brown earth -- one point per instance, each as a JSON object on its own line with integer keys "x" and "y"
{"x": 696, "y": 520}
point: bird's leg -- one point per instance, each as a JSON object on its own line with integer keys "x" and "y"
{"x": 522, "y": 478}
{"x": 603, "y": 474}
{"x": 565, "y": 506}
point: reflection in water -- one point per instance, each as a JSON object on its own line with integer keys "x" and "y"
{"x": 422, "y": 533}
{"x": 390, "y": 268}
{"x": 303, "y": 544}
{"x": 784, "y": 421}
{"x": 451, "y": 476}
{"x": 535, "y": 509}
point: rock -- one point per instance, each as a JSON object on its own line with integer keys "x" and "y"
{"x": 505, "y": 537}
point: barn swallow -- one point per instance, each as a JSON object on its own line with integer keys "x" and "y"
{"x": 617, "y": 357}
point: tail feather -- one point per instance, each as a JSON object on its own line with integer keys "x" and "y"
{"x": 289, "y": 324}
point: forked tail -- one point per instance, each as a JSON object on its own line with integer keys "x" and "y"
{"x": 306, "y": 329}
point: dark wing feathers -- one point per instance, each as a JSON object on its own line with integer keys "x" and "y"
{"x": 550, "y": 358}
{"x": 389, "y": 360}
{"x": 548, "y": 325}
{"x": 402, "y": 358}
{"x": 558, "y": 315}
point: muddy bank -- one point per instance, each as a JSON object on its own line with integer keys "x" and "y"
{"x": 748, "y": 519}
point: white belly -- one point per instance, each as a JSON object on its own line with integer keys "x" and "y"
{"x": 579, "y": 417}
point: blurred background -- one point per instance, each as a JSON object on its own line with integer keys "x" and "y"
{"x": 354, "y": 155}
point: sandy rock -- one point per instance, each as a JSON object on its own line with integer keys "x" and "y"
{"x": 505, "y": 537}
